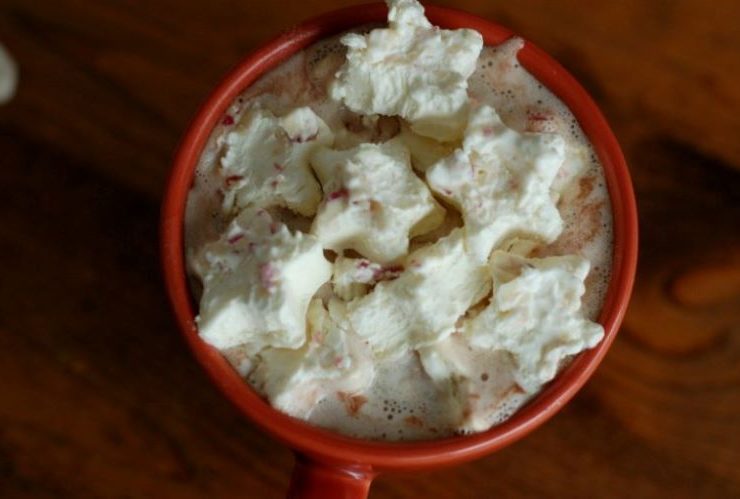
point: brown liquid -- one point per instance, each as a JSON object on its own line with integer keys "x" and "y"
{"x": 403, "y": 403}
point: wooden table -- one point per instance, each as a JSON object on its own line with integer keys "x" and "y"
{"x": 98, "y": 395}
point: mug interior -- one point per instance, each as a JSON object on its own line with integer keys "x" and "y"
{"x": 334, "y": 447}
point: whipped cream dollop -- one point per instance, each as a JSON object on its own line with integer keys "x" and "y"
{"x": 500, "y": 181}
{"x": 391, "y": 237}
{"x": 266, "y": 160}
{"x": 373, "y": 200}
{"x": 258, "y": 279}
{"x": 410, "y": 69}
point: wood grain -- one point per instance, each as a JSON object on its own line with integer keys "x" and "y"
{"x": 99, "y": 397}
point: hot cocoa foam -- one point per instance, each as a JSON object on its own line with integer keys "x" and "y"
{"x": 403, "y": 402}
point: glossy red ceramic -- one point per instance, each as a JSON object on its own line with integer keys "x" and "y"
{"x": 329, "y": 464}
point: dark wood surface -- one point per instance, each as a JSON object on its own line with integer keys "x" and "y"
{"x": 98, "y": 395}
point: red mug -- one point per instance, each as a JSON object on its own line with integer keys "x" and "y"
{"x": 329, "y": 464}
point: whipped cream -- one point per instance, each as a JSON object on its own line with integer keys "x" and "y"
{"x": 439, "y": 283}
{"x": 373, "y": 201}
{"x": 258, "y": 279}
{"x": 266, "y": 160}
{"x": 500, "y": 181}
{"x": 410, "y": 69}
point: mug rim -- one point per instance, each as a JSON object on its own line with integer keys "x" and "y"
{"x": 331, "y": 446}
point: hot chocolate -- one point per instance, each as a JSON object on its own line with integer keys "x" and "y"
{"x": 415, "y": 310}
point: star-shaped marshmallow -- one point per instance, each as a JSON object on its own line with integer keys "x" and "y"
{"x": 535, "y": 315}
{"x": 373, "y": 201}
{"x": 266, "y": 161}
{"x": 258, "y": 280}
{"x": 333, "y": 360}
{"x": 410, "y": 69}
{"x": 439, "y": 283}
{"x": 500, "y": 181}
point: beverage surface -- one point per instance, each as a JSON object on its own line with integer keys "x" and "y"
{"x": 422, "y": 292}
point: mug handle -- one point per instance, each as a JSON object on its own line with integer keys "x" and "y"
{"x": 313, "y": 479}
